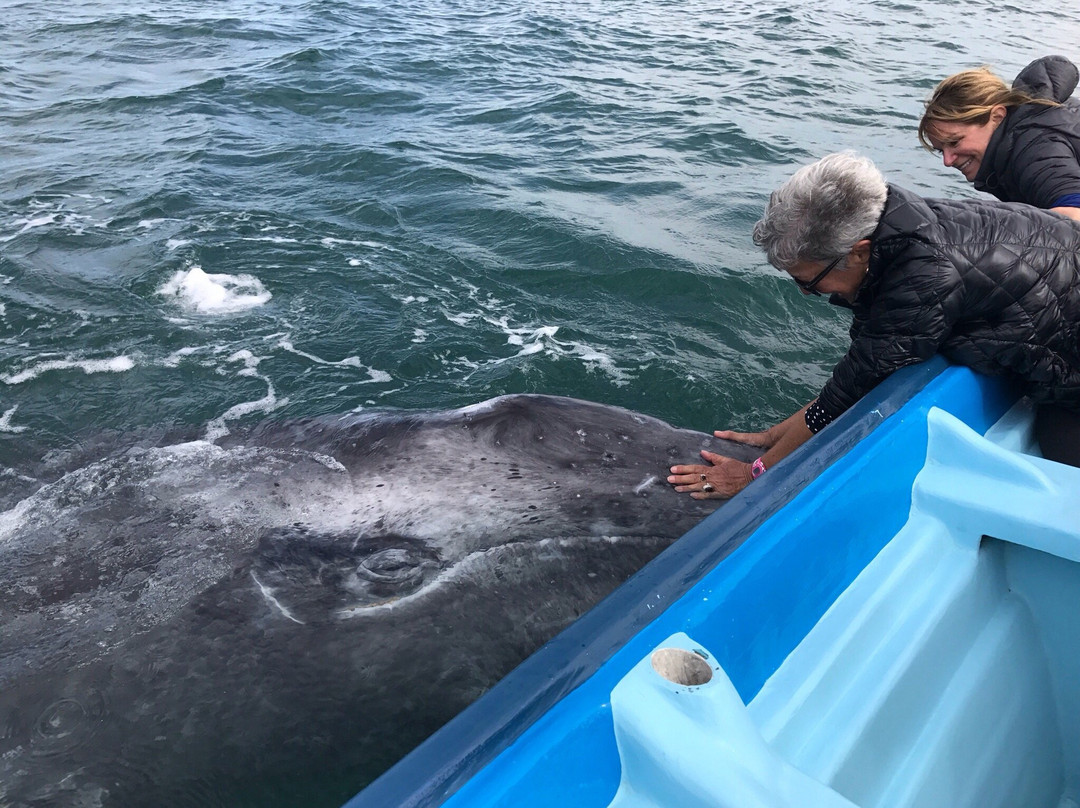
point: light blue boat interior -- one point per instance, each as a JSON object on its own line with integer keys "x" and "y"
{"x": 903, "y": 633}
{"x": 946, "y": 674}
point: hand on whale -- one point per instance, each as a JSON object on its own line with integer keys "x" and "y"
{"x": 275, "y": 619}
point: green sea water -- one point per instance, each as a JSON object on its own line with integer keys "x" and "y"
{"x": 214, "y": 212}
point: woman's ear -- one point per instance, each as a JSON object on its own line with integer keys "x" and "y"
{"x": 861, "y": 251}
{"x": 997, "y": 114}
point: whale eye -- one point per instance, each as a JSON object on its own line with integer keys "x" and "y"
{"x": 393, "y": 572}
{"x": 394, "y": 565}
{"x": 305, "y": 576}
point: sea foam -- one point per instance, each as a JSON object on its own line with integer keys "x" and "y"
{"x": 197, "y": 291}
{"x": 117, "y": 364}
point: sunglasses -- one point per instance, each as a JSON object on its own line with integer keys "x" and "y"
{"x": 811, "y": 285}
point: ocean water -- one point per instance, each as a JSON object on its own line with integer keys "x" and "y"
{"x": 212, "y": 213}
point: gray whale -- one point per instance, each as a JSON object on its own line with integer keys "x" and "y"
{"x": 276, "y": 618}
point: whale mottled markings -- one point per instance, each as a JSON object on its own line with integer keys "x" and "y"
{"x": 276, "y": 618}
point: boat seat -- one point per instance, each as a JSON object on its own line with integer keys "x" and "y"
{"x": 685, "y": 739}
{"x": 946, "y": 674}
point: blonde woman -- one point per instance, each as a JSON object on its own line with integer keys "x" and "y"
{"x": 1019, "y": 143}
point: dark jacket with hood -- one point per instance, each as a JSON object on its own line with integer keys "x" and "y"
{"x": 1034, "y": 154}
{"x": 991, "y": 285}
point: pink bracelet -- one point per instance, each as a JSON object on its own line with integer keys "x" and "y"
{"x": 757, "y": 469}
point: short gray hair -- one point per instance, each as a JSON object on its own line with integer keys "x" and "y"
{"x": 822, "y": 210}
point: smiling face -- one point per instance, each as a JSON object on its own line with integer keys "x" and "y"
{"x": 963, "y": 145}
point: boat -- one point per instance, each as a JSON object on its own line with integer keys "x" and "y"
{"x": 887, "y": 618}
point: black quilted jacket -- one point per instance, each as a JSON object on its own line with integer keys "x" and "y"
{"x": 991, "y": 285}
{"x": 1034, "y": 154}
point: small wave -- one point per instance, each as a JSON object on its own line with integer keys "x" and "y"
{"x": 117, "y": 364}
{"x": 349, "y": 361}
{"x": 271, "y": 239}
{"x": 330, "y": 241}
{"x": 5, "y": 421}
{"x": 200, "y": 292}
{"x": 50, "y": 215}
{"x": 542, "y": 340}
{"x": 173, "y": 360}
{"x": 217, "y": 427}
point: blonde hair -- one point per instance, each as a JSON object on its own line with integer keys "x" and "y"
{"x": 968, "y": 97}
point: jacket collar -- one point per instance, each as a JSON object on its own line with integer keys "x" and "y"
{"x": 904, "y": 214}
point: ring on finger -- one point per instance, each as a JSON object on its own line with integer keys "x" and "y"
{"x": 707, "y": 488}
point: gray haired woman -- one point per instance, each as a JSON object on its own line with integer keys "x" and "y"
{"x": 991, "y": 285}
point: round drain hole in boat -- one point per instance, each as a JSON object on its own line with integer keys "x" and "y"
{"x": 681, "y": 666}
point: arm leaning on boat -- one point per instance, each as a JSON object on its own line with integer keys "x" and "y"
{"x": 1019, "y": 143}
{"x": 990, "y": 285}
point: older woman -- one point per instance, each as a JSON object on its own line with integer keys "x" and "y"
{"x": 990, "y": 285}
{"x": 1020, "y": 143}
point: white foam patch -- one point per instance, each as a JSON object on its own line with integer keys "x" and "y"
{"x": 542, "y": 340}
{"x": 520, "y": 336}
{"x": 462, "y": 319}
{"x": 29, "y": 224}
{"x": 268, "y": 403}
{"x": 349, "y": 361}
{"x": 176, "y": 357}
{"x": 117, "y": 364}
{"x": 530, "y": 340}
{"x": 204, "y": 293}
{"x": 58, "y": 217}
{"x": 5, "y": 422}
{"x": 15, "y": 518}
{"x": 176, "y": 243}
{"x": 37, "y": 221}
{"x": 374, "y": 245}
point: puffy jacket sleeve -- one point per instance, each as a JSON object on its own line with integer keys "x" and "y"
{"x": 1046, "y": 167}
{"x": 909, "y": 314}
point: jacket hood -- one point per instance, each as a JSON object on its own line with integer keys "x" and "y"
{"x": 1053, "y": 77}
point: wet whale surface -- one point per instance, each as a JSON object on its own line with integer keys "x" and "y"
{"x": 276, "y": 618}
